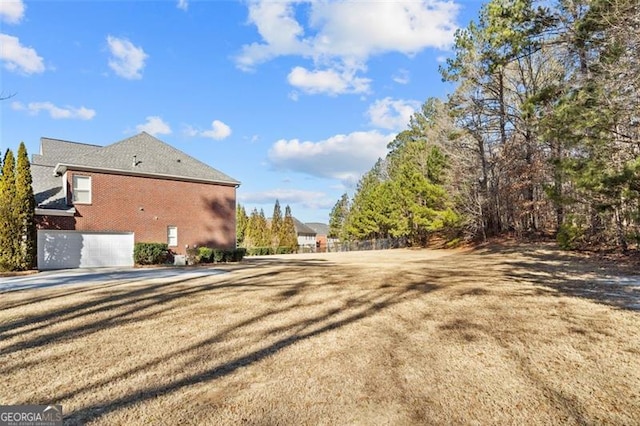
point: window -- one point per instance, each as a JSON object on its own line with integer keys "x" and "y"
{"x": 172, "y": 236}
{"x": 81, "y": 189}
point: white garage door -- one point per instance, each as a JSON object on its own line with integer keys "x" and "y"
{"x": 83, "y": 249}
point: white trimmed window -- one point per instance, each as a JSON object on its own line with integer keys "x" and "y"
{"x": 81, "y": 189}
{"x": 172, "y": 236}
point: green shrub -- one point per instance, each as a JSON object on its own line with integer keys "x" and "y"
{"x": 193, "y": 256}
{"x": 209, "y": 255}
{"x": 236, "y": 255}
{"x": 260, "y": 251}
{"x": 218, "y": 255}
{"x": 266, "y": 251}
{"x": 150, "y": 253}
{"x": 569, "y": 236}
{"x": 206, "y": 254}
{"x": 284, "y": 250}
{"x": 455, "y": 242}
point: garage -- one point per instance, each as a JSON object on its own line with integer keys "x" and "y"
{"x": 84, "y": 249}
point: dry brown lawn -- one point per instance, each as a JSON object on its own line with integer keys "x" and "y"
{"x": 502, "y": 335}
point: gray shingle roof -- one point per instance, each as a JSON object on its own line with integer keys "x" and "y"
{"x": 152, "y": 157}
{"x": 318, "y": 227}
{"x": 146, "y": 154}
{"x": 54, "y": 151}
{"x": 47, "y": 188}
{"x": 302, "y": 229}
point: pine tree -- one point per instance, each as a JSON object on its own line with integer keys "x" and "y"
{"x": 241, "y": 225}
{"x": 264, "y": 232}
{"x": 26, "y": 205}
{"x": 10, "y": 236}
{"x": 338, "y": 218}
{"x": 257, "y": 233}
{"x": 251, "y": 236}
{"x": 288, "y": 236}
{"x": 276, "y": 225}
{"x": 369, "y": 214}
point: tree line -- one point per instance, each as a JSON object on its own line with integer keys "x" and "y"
{"x": 261, "y": 236}
{"x": 18, "y": 249}
{"x": 540, "y": 135}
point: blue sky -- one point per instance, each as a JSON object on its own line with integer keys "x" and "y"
{"x": 295, "y": 99}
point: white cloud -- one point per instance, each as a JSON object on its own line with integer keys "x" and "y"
{"x": 279, "y": 30}
{"x": 11, "y": 11}
{"x": 363, "y": 29}
{"x": 19, "y": 58}
{"x": 348, "y": 30}
{"x": 154, "y": 126}
{"x": 218, "y": 131}
{"x": 183, "y": 5}
{"x": 392, "y": 114}
{"x": 340, "y": 37}
{"x": 54, "y": 111}
{"x": 127, "y": 60}
{"x": 401, "y": 77}
{"x": 343, "y": 157}
{"x": 329, "y": 81}
{"x": 307, "y": 199}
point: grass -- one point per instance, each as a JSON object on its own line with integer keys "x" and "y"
{"x": 506, "y": 335}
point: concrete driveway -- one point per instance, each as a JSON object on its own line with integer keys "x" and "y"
{"x": 100, "y": 276}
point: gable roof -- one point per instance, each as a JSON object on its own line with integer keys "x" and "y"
{"x": 318, "y": 227}
{"x": 302, "y": 229}
{"x": 153, "y": 158}
{"x": 54, "y": 151}
{"x": 144, "y": 154}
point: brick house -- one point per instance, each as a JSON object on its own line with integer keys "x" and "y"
{"x": 306, "y": 236}
{"x": 322, "y": 232}
{"x": 140, "y": 187}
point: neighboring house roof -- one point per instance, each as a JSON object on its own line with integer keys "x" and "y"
{"x": 302, "y": 229}
{"x": 142, "y": 155}
{"x": 319, "y": 228}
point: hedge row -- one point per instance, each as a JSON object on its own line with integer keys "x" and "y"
{"x": 159, "y": 254}
{"x": 263, "y": 251}
{"x": 209, "y": 255}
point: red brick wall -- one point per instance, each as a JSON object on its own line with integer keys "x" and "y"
{"x": 66, "y": 223}
{"x": 322, "y": 240}
{"x": 205, "y": 214}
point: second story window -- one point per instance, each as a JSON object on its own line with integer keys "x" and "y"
{"x": 81, "y": 189}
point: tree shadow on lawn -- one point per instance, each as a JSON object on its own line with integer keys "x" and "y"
{"x": 286, "y": 287}
{"x": 117, "y": 295}
{"x": 48, "y": 294}
{"x": 302, "y": 330}
{"x": 570, "y": 274}
{"x": 542, "y": 269}
{"x": 136, "y": 301}
{"x": 113, "y": 300}
{"x": 469, "y": 331}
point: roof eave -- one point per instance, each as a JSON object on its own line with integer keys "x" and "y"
{"x": 55, "y": 212}
{"x": 61, "y": 168}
